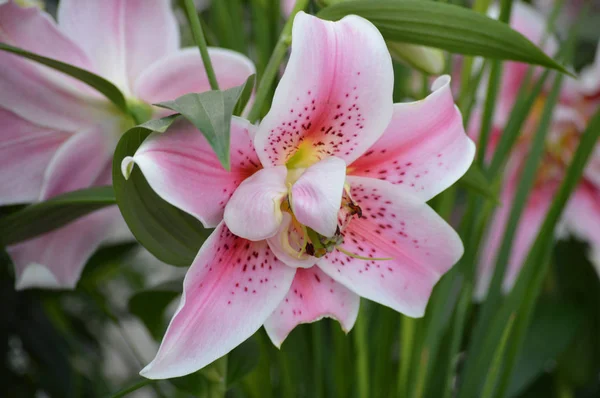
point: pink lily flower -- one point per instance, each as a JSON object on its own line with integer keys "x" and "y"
{"x": 59, "y": 134}
{"x": 325, "y": 201}
{"x": 579, "y": 99}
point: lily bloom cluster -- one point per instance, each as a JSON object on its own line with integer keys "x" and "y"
{"x": 577, "y": 102}
{"x": 59, "y": 135}
{"x": 325, "y": 201}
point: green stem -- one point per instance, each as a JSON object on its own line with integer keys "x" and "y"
{"x": 198, "y": 34}
{"x": 285, "y": 40}
{"x": 132, "y": 388}
{"x": 362, "y": 355}
{"x": 407, "y": 336}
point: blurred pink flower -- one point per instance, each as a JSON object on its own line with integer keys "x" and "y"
{"x": 325, "y": 201}
{"x": 59, "y": 134}
{"x": 579, "y": 99}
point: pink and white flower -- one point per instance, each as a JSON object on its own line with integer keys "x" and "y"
{"x": 325, "y": 201}
{"x": 579, "y": 100}
{"x": 58, "y": 134}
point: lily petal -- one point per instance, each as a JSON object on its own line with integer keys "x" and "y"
{"x": 182, "y": 168}
{"x": 583, "y": 219}
{"x": 288, "y": 243}
{"x": 411, "y": 247}
{"x": 317, "y": 195}
{"x": 121, "y": 37}
{"x": 35, "y": 92}
{"x": 254, "y": 210}
{"x": 77, "y": 163}
{"x": 183, "y": 72}
{"x": 335, "y": 97}
{"x": 229, "y": 291}
{"x": 55, "y": 260}
{"x": 313, "y": 296}
{"x": 25, "y": 152}
{"x": 425, "y": 148}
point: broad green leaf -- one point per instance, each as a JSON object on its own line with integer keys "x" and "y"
{"x": 475, "y": 180}
{"x": 170, "y": 234}
{"x": 39, "y": 218}
{"x": 552, "y": 329}
{"x": 149, "y": 305}
{"x": 445, "y": 26}
{"x": 211, "y": 113}
{"x": 105, "y": 87}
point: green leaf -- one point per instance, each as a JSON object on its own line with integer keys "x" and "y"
{"x": 245, "y": 96}
{"x": 475, "y": 180}
{"x": 105, "y": 87}
{"x": 242, "y": 360}
{"x": 445, "y": 26}
{"x": 553, "y": 328}
{"x": 477, "y": 368}
{"x": 170, "y": 234}
{"x": 529, "y": 283}
{"x": 211, "y": 113}
{"x": 492, "y": 376}
{"x": 149, "y": 305}
{"x": 208, "y": 382}
{"x": 39, "y": 218}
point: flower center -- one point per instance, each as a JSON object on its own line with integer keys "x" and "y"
{"x": 300, "y": 240}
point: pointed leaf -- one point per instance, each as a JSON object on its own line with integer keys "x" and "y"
{"x": 445, "y": 26}
{"x": 245, "y": 96}
{"x": 105, "y": 87}
{"x": 211, "y": 113}
{"x": 170, "y": 234}
{"x": 39, "y": 218}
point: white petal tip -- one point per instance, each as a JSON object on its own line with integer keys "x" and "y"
{"x": 162, "y": 370}
{"x": 38, "y": 276}
{"x": 127, "y": 166}
{"x": 440, "y": 82}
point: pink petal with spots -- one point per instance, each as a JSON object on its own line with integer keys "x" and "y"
{"x": 183, "y": 72}
{"x": 313, "y": 296}
{"x": 317, "y": 195}
{"x": 229, "y": 291}
{"x": 25, "y": 152}
{"x": 121, "y": 37}
{"x": 335, "y": 97}
{"x": 527, "y": 230}
{"x": 288, "y": 243}
{"x": 418, "y": 244}
{"x": 583, "y": 219}
{"x": 78, "y": 163}
{"x": 35, "y": 92}
{"x": 55, "y": 260}
{"x": 182, "y": 168}
{"x": 254, "y": 210}
{"x": 425, "y": 149}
